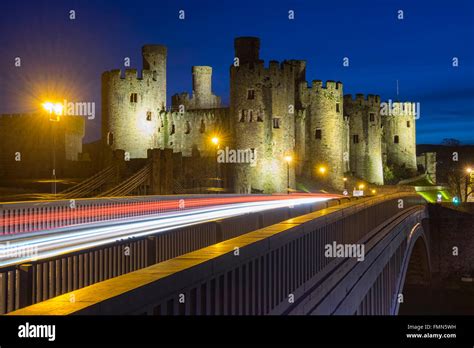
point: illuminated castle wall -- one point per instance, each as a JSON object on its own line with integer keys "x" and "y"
{"x": 273, "y": 111}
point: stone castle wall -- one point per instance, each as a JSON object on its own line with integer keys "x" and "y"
{"x": 326, "y": 142}
{"x": 262, "y": 119}
{"x": 273, "y": 112}
{"x": 365, "y": 137}
{"x": 399, "y": 136}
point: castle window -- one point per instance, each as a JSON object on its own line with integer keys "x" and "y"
{"x": 337, "y": 108}
{"x": 396, "y": 139}
{"x": 251, "y": 94}
{"x": 188, "y": 128}
{"x": 276, "y": 122}
{"x": 250, "y": 116}
{"x": 148, "y": 115}
{"x": 259, "y": 117}
{"x": 408, "y": 124}
{"x": 202, "y": 129}
{"x": 133, "y": 97}
{"x": 355, "y": 138}
{"x": 173, "y": 129}
{"x": 243, "y": 115}
{"x": 372, "y": 117}
{"x": 110, "y": 138}
{"x": 317, "y": 134}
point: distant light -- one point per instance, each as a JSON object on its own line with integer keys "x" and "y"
{"x": 469, "y": 170}
{"x": 322, "y": 169}
{"x": 288, "y": 159}
{"x": 58, "y": 109}
{"x": 48, "y": 106}
{"x": 361, "y": 186}
{"x": 456, "y": 200}
{"x": 373, "y": 191}
{"x": 215, "y": 140}
{"x": 345, "y": 179}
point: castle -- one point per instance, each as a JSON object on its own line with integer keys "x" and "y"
{"x": 273, "y": 112}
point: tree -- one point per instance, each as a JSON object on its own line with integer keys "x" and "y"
{"x": 451, "y": 142}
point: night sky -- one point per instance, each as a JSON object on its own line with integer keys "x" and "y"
{"x": 64, "y": 59}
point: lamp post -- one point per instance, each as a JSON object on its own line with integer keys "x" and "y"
{"x": 54, "y": 110}
{"x": 288, "y": 160}
{"x": 215, "y": 141}
{"x": 468, "y": 181}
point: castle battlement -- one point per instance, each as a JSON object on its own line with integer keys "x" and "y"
{"x": 273, "y": 109}
{"x": 128, "y": 75}
{"x": 361, "y": 99}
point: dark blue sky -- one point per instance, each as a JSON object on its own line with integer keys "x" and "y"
{"x": 61, "y": 57}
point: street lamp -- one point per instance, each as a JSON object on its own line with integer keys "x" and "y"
{"x": 55, "y": 110}
{"x": 215, "y": 141}
{"x": 288, "y": 160}
{"x": 361, "y": 186}
{"x": 322, "y": 170}
{"x": 468, "y": 181}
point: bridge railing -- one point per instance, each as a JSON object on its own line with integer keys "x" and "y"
{"x": 40, "y": 280}
{"x": 271, "y": 268}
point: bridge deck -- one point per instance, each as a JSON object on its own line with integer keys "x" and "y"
{"x": 104, "y": 297}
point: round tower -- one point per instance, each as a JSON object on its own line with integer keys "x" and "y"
{"x": 154, "y": 59}
{"x": 261, "y": 120}
{"x": 202, "y": 92}
{"x": 327, "y": 131}
{"x": 399, "y": 133}
{"x": 365, "y": 136}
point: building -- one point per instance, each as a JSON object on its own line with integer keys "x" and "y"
{"x": 273, "y": 113}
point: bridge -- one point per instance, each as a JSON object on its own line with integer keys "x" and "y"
{"x": 220, "y": 254}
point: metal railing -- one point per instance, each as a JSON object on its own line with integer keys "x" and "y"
{"x": 40, "y": 280}
{"x": 273, "y": 263}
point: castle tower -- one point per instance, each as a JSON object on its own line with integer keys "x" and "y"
{"x": 247, "y": 49}
{"x": 202, "y": 97}
{"x": 327, "y": 143}
{"x": 202, "y": 85}
{"x": 261, "y": 118}
{"x": 154, "y": 59}
{"x": 399, "y": 133}
{"x": 365, "y": 136}
{"x": 131, "y": 105}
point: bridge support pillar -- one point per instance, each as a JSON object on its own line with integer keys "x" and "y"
{"x": 24, "y": 285}
{"x": 150, "y": 250}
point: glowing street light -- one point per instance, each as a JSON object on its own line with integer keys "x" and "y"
{"x": 322, "y": 170}
{"x": 55, "y": 110}
{"x": 373, "y": 191}
{"x": 215, "y": 140}
{"x": 361, "y": 186}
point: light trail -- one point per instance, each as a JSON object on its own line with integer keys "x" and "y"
{"x": 113, "y": 210}
{"x": 65, "y": 240}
